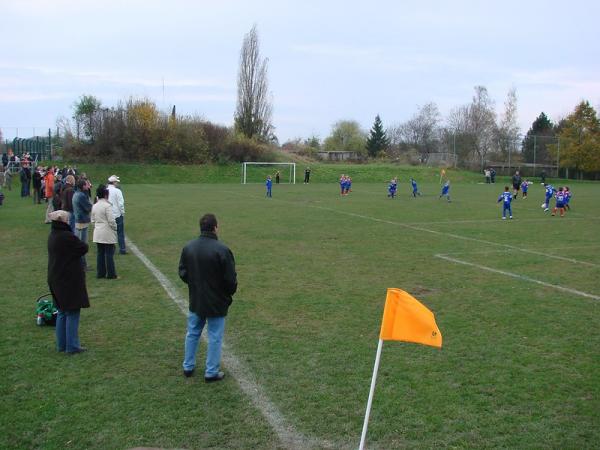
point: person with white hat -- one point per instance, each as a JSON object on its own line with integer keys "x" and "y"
{"x": 115, "y": 197}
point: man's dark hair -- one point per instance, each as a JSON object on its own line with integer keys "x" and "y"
{"x": 80, "y": 184}
{"x": 208, "y": 222}
{"x": 101, "y": 191}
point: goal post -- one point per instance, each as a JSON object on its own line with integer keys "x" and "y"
{"x": 256, "y": 172}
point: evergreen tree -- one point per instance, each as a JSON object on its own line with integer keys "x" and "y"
{"x": 377, "y": 140}
{"x": 537, "y": 148}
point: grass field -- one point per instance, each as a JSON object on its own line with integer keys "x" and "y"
{"x": 520, "y": 366}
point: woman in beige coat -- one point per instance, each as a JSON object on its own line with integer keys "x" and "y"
{"x": 105, "y": 234}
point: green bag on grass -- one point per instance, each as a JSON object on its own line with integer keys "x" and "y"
{"x": 45, "y": 310}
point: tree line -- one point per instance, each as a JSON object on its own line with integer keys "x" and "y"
{"x": 472, "y": 133}
{"x": 136, "y": 130}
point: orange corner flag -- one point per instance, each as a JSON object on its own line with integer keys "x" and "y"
{"x": 407, "y": 319}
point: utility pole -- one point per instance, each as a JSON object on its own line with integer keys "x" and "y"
{"x": 557, "y": 156}
{"x": 509, "y": 148}
{"x": 534, "y": 145}
{"x": 454, "y": 146}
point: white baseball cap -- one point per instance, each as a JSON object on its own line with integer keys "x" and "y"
{"x": 113, "y": 179}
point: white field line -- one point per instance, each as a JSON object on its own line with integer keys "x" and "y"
{"x": 441, "y": 233}
{"x": 520, "y": 277}
{"x": 289, "y": 437}
{"x": 497, "y": 220}
{"x": 506, "y": 250}
{"x": 456, "y": 236}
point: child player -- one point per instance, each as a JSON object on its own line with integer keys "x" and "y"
{"x": 524, "y": 188}
{"x": 392, "y": 187}
{"x": 560, "y": 202}
{"x": 348, "y": 184}
{"x": 269, "y": 185}
{"x": 506, "y": 197}
{"x": 446, "y": 190}
{"x": 549, "y": 192}
{"x": 567, "y": 198}
{"x": 342, "y": 184}
{"x": 414, "y": 187}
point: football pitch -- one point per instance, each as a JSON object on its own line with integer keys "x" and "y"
{"x": 517, "y": 302}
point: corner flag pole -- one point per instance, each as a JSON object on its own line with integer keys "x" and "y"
{"x": 372, "y": 391}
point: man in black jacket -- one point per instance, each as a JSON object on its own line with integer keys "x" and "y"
{"x": 208, "y": 268}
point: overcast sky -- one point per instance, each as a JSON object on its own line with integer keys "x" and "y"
{"x": 328, "y": 60}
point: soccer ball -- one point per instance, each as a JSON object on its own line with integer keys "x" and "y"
{"x": 544, "y": 205}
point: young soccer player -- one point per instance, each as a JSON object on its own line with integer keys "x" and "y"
{"x": 524, "y": 188}
{"x": 392, "y": 188}
{"x": 506, "y": 197}
{"x": 348, "y": 184}
{"x": 415, "y": 189}
{"x": 269, "y": 185}
{"x": 549, "y": 192}
{"x": 342, "y": 184}
{"x": 446, "y": 190}
{"x": 560, "y": 202}
{"x": 567, "y": 198}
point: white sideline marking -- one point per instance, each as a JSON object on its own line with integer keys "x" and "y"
{"x": 521, "y": 277}
{"x": 441, "y": 233}
{"x": 456, "y": 236}
{"x": 289, "y": 437}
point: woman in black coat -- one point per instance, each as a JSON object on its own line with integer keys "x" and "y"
{"x": 66, "y": 279}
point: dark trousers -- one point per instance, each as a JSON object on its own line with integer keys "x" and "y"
{"x": 121, "y": 233}
{"x": 37, "y": 195}
{"x": 105, "y": 262}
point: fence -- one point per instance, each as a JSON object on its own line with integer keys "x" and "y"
{"x": 39, "y": 147}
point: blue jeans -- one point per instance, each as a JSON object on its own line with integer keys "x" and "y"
{"x": 82, "y": 234}
{"x": 67, "y": 330}
{"x": 216, "y": 328}
{"x": 105, "y": 262}
{"x": 121, "y": 233}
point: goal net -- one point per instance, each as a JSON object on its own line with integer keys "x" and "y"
{"x": 256, "y": 172}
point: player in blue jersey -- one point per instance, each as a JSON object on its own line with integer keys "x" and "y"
{"x": 567, "y": 198}
{"x": 446, "y": 190}
{"x": 524, "y": 188}
{"x": 560, "y": 202}
{"x": 549, "y": 193}
{"x": 269, "y": 185}
{"x": 415, "y": 189}
{"x": 348, "y": 185}
{"x": 392, "y": 187}
{"x": 342, "y": 184}
{"x": 506, "y": 197}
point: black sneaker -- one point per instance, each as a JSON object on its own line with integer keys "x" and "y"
{"x": 78, "y": 350}
{"x": 217, "y": 377}
{"x": 188, "y": 373}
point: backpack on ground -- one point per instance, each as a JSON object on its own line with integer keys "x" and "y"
{"x": 45, "y": 310}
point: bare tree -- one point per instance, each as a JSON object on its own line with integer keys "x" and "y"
{"x": 482, "y": 123}
{"x": 476, "y": 124}
{"x": 420, "y": 133}
{"x": 253, "y": 113}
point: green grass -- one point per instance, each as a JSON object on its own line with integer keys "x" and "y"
{"x": 232, "y": 173}
{"x": 520, "y": 362}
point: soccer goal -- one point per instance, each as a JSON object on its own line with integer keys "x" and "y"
{"x": 256, "y": 172}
